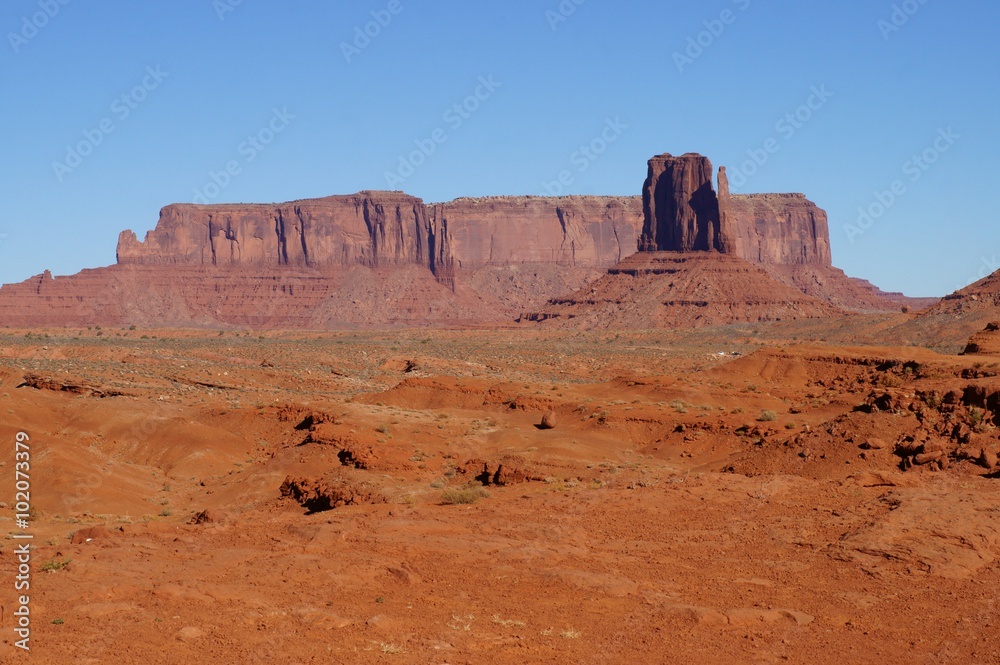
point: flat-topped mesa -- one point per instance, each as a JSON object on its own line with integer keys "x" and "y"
{"x": 681, "y": 209}
{"x": 374, "y": 229}
{"x": 684, "y": 213}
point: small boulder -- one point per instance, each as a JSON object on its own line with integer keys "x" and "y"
{"x": 987, "y": 459}
{"x": 207, "y": 517}
{"x": 927, "y": 458}
{"x": 874, "y": 443}
{"x": 548, "y": 421}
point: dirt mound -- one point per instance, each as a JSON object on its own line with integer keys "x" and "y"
{"x": 333, "y": 490}
{"x": 509, "y": 470}
{"x": 675, "y": 289}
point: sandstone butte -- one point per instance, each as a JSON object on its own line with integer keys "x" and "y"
{"x": 709, "y": 258}
{"x": 386, "y": 258}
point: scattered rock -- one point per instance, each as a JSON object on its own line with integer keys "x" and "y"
{"x": 189, "y": 633}
{"x": 881, "y": 479}
{"x": 41, "y": 383}
{"x": 987, "y": 459}
{"x": 208, "y": 517}
{"x": 509, "y": 470}
{"x": 874, "y": 443}
{"x": 404, "y": 574}
{"x": 927, "y": 458}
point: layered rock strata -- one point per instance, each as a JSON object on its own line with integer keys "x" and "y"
{"x": 372, "y": 229}
{"x": 385, "y": 258}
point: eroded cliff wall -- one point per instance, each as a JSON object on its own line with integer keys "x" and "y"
{"x": 573, "y": 231}
{"x": 373, "y": 229}
{"x": 779, "y": 229}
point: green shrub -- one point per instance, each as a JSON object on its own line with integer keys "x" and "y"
{"x": 53, "y": 565}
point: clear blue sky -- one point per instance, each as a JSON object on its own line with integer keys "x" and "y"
{"x": 222, "y": 75}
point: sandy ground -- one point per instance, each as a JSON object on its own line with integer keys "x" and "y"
{"x": 730, "y": 496}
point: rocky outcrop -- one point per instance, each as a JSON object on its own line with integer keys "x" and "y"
{"x": 985, "y": 343}
{"x": 373, "y": 229}
{"x": 681, "y": 208}
{"x": 572, "y": 231}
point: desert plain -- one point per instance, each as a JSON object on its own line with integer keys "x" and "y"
{"x": 733, "y": 494}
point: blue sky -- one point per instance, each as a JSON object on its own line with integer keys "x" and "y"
{"x": 162, "y": 95}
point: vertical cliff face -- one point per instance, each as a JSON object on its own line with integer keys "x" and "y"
{"x": 779, "y": 229}
{"x": 572, "y": 231}
{"x": 681, "y": 208}
{"x": 684, "y": 213}
{"x": 374, "y": 229}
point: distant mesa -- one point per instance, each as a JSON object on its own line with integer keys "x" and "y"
{"x": 683, "y": 212}
{"x": 373, "y": 229}
{"x": 379, "y": 258}
{"x": 707, "y": 257}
